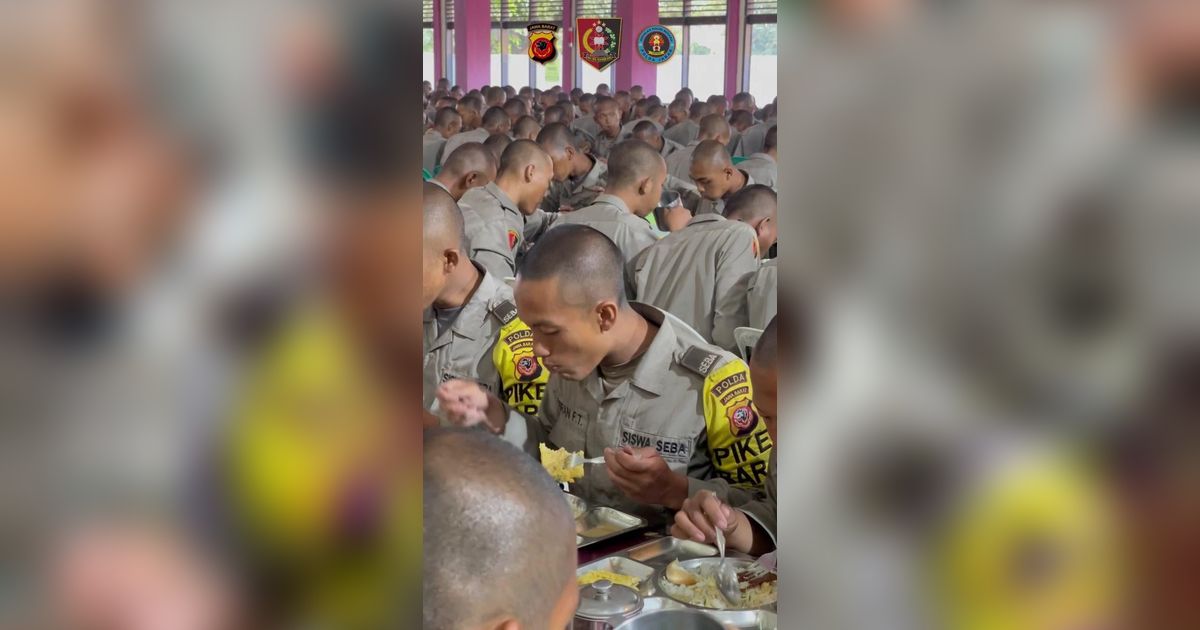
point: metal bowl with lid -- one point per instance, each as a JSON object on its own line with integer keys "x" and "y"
{"x": 604, "y": 605}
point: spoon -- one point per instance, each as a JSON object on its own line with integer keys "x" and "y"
{"x": 727, "y": 581}
{"x": 577, "y": 460}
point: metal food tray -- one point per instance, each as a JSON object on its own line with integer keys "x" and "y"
{"x": 614, "y": 522}
{"x": 693, "y": 564}
{"x": 658, "y": 553}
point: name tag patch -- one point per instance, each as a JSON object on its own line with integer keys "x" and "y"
{"x": 672, "y": 449}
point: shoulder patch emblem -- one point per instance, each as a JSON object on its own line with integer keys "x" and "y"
{"x": 512, "y": 239}
{"x": 504, "y": 311}
{"x": 699, "y": 360}
{"x": 528, "y": 367}
{"x": 742, "y": 418}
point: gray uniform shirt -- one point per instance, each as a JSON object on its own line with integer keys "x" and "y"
{"x": 753, "y": 139}
{"x": 431, "y": 150}
{"x": 762, "y": 295}
{"x": 611, "y": 216}
{"x": 604, "y": 144}
{"x": 667, "y": 403}
{"x": 700, "y": 274}
{"x": 587, "y": 125}
{"x": 495, "y": 229}
{"x": 684, "y": 133}
{"x": 457, "y": 140}
{"x": 464, "y": 350}
{"x": 762, "y": 168}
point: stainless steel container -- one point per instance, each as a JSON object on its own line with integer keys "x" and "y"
{"x": 683, "y": 619}
{"x": 604, "y": 605}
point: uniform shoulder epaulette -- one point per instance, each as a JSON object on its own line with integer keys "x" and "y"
{"x": 505, "y": 311}
{"x": 699, "y": 360}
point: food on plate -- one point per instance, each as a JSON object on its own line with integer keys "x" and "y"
{"x": 756, "y": 593}
{"x": 599, "y": 530}
{"x": 615, "y": 578}
{"x": 555, "y": 463}
{"x": 678, "y": 575}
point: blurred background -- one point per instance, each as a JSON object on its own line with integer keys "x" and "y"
{"x": 206, "y": 218}
{"x": 208, "y": 350}
{"x": 991, "y": 217}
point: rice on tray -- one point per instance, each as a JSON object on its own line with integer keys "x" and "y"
{"x": 707, "y": 594}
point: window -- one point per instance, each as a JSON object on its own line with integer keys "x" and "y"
{"x": 670, "y": 74}
{"x": 511, "y": 64}
{"x": 427, "y": 53}
{"x": 762, "y": 50}
{"x": 706, "y": 60}
{"x": 427, "y": 67}
{"x": 498, "y": 65}
{"x": 699, "y": 27}
{"x": 762, "y": 78}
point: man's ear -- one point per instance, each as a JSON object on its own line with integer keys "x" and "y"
{"x": 644, "y": 185}
{"x": 528, "y": 172}
{"x": 505, "y": 624}
{"x": 606, "y": 315}
{"x": 451, "y": 258}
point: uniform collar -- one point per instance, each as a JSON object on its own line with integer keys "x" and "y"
{"x": 506, "y": 202}
{"x": 657, "y": 359}
{"x": 707, "y": 217}
{"x": 435, "y": 182}
{"x": 470, "y": 320}
{"x": 613, "y": 200}
{"x": 592, "y": 177}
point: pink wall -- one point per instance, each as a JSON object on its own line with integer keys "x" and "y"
{"x": 439, "y": 46}
{"x": 566, "y": 46}
{"x": 734, "y": 32}
{"x": 636, "y": 16}
{"x": 472, "y": 43}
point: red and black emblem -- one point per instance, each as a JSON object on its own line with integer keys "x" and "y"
{"x": 528, "y": 367}
{"x": 742, "y": 418}
{"x": 542, "y": 48}
{"x": 512, "y": 239}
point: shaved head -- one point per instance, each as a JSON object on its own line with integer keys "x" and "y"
{"x": 714, "y": 127}
{"x": 632, "y": 161}
{"x": 711, "y": 154}
{"x": 648, "y": 132}
{"x": 554, "y": 114}
{"x": 587, "y": 265}
{"x": 522, "y": 153}
{"x": 751, "y": 203}
{"x": 771, "y": 141}
{"x": 766, "y": 350}
{"x": 497, "y": 143}
{"x": 499, "y": 538}
{"x": 442, "y": 221}
{"x": 556, "y": 137}
{"x": 527, "y": 128}
{"x": 496, "y": 121}
{"x": 470, "y": 157}
{"x": 699, "y": 109}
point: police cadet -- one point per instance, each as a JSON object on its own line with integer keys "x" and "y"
{"x": 495, "y": 214}
{"x": 608, "y": 124}
{"x": 701, "y": 273}
{"x": 715, "y": 176}
{"x": 471, "y": 328}
{"x": 763, "y": 166}
{"x": 650, "y": 133}
{"x": 446, "y": 123}
{"x": 748, "y": 521}
{"x": 712, "y": 127}
{"x": 494, "y": 121}
{"x": 578, "y": 176}
{"x": 470, "y": 166}
{"x": 688, "y": 131}
{"x": 635, "y": 182}
{"x": 670, "y": 413}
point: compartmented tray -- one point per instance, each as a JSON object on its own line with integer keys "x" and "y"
{"x": 602, "y": 523}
